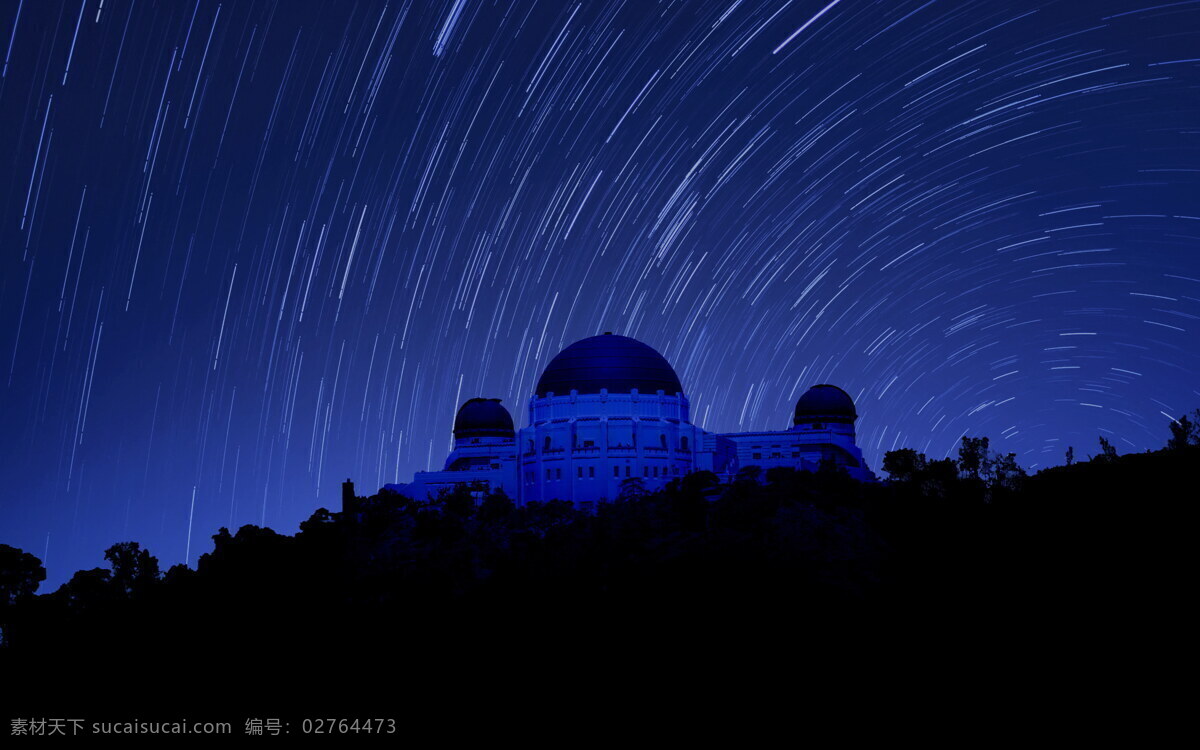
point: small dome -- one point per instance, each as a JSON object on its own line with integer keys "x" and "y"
{"x": 616, "y": 363}
{"x": 483, "y": 417}
{"x": 825, "y": 403}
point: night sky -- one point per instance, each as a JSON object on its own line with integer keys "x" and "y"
{"x": 250, "y": 249}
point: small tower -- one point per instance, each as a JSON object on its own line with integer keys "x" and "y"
{"x": 825, "y": 417}
{"x": 485, "y": 452}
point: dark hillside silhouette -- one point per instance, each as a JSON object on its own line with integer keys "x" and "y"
{"x": 971, "y": 549}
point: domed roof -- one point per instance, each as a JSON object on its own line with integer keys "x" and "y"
{"x": 825, "y": 403}
{"x": 483, "y": 417}
{"x": 617, "y": 363}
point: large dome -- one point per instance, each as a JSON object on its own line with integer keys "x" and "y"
{"x": 825, "y": 403}
{"x": 617, "y": 363}
{"x": 483, "y": 417}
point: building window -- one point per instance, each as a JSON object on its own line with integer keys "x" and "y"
{"x": 591, "y": 472}
{"x": 626, "y": 471}
{"x": 579, "y": 472}
{"x": 616, "y": 471}
{"x": 662, "y": 442}
{"x": 645, "y": 471}
{"x": 548, "y": 474}
{"x": 558, "y": 473}
{"x": 546, "y": 445}
{"x": 818, "y": 426}
{"x": 757, "y": 455}
{"x": 589, "y": 443}
{"x": 683, "y": 443}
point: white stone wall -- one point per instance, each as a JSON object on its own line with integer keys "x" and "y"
{"x": 582, "y": 447}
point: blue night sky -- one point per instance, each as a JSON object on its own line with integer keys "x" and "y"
{"x": 249, "y": 249}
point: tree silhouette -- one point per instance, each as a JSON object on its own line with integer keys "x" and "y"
{"x": 904, "y": 465}
{"x": 320, "y": 519}
{"x": 459, "y": 501}
{"x": 701, "y": 482}
{"x": 1107, "y": 451}
{"x": 940, "y": 478}
{"x": 133, "y": 568}
{"x": 496, "y": 506}
{"x": 1006, "y": 473}
{"x": 972, "y": 455}
{"x": 1184, "y": 432}
{"x": 178, "y": 575}
{"x": 20, "y": 575}
{"x": 689, "y": 498}
{"x": 943, "y": 478}
{"x": 86, "y": 589}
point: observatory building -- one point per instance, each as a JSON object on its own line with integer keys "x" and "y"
{"x": 608, "y": 409}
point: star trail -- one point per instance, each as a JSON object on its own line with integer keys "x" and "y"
{"x": 249, "y": 249}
